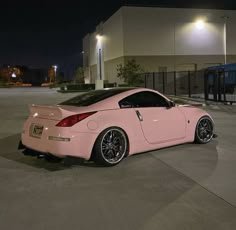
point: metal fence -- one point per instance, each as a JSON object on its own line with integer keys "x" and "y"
{"x": 184, "y": 83}
{"x": 220, "y": 86}
{"x": 194, "y": 84}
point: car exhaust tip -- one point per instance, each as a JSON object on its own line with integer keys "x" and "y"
{"x": 215, "y": 135}
{"x": 40, "y": 156}
{"x": 20, "y": 145}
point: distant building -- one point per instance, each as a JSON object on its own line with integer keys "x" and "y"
{"x": 160, "y": 39}
{"x": 35, "y": 76}
{"x": 23, "y": 74}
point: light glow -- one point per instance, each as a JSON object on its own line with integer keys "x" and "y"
{"x": 55, "y": 67}
{"x": 99, "y": 37}
{"x": 200, "y": 24}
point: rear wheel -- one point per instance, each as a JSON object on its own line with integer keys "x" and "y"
{"x": 204, "y": 130}
{"x": 111, "y": 146}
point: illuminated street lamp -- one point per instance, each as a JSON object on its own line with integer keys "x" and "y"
{"x": 55, "y": 69}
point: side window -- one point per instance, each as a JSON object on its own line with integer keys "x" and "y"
{"x": 143, "y": 99}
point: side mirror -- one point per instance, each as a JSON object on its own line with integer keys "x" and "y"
{"x": 171, "y": 104}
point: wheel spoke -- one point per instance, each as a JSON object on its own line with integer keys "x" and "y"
{"x": 113, "y": 146}
{"x": 205, "y": 130}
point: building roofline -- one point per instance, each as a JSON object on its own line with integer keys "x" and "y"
{"x": 183, "y": 6}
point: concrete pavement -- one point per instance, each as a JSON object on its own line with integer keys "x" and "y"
{"x": 183, "y": 187}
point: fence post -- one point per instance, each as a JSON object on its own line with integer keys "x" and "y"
{"x": 189, "y": 85}
{"x": 145, "y": 80}
{"x": 206, "y": 90}
{"x": 175, "y": 83}
{"x": 215, "y": 85}
{"x": 163, "y": 80}
{"x": 224, "y": 88}
{"x": 153, "y": 81}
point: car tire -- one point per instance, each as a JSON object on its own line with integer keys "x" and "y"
{"x": 110, "y": 147}
{"x": 204, "y": 130}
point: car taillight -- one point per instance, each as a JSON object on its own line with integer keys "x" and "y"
{"x": 72, "y": 120}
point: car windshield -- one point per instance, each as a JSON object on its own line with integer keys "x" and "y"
{"x": 93, "y": 97}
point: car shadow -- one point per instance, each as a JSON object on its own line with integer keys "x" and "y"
{"x": 9, "y": 150}
{"x": 171, "y": 155}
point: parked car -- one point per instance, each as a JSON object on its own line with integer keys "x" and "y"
{"x": 109, "y": 124}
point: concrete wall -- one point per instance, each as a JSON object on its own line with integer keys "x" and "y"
{"x": 111, "y": 45}
{"x": 111, "y": 69}
{"x": 113, "y": 36}
{"x": 111, "y": 33}
{"x": 179, "y": 62}
{"x": 163, "y": 39}
{"x": 166, "y": 31}
{"x": 93, "y": 49}
{"x": 144, "y": 33}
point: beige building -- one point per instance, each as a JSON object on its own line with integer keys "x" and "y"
{"x": 160, "y": 39}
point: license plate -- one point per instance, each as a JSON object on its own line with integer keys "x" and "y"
{"x": 36, "y": 130}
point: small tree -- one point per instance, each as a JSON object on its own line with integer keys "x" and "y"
{"x": 130, "y": 72}
{"x": 79, "y": 75}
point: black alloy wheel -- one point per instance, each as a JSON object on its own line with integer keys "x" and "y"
{"x": 204, "y": 130}
{"x": 111, "y": 146}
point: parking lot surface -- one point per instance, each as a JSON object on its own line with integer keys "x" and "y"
{"x": 183, "y": 187}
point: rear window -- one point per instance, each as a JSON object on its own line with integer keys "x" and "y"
{"x": 93, "y": 97}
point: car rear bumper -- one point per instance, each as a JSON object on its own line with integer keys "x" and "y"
{"x": 76, "y": 144}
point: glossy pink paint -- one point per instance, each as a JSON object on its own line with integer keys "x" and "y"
{"x": 161, "y": 127}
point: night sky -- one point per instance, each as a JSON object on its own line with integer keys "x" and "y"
{"x": 44, "y": 33}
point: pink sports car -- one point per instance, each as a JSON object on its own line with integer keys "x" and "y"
{"x": 109, "y": 124}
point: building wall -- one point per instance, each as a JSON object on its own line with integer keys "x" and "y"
{"x": 111, "y": 44}
{"x": 166, "y": 31}
{"x": 164, "y": 39}
{"x": 113, "y": 36}
{"x": 179, "y": 62}
{"x": 144, "y": 33}
{"x": 93, "y": 73}
{"x": 111, "y": 69}
{"x": 93, "y": 49}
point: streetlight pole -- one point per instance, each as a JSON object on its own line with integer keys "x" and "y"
{"x": 174, "y": 48}
{"x": 100, "y": 63}
{"x": 225, "y": 17}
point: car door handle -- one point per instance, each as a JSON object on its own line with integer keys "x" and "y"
{"x": 139, "y": 115}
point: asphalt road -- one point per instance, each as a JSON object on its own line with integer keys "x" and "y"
{"x": 183, "y": 187}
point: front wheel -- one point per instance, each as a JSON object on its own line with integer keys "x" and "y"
{"x": 204, "y": 130}
{"x": 111, "y": 146}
